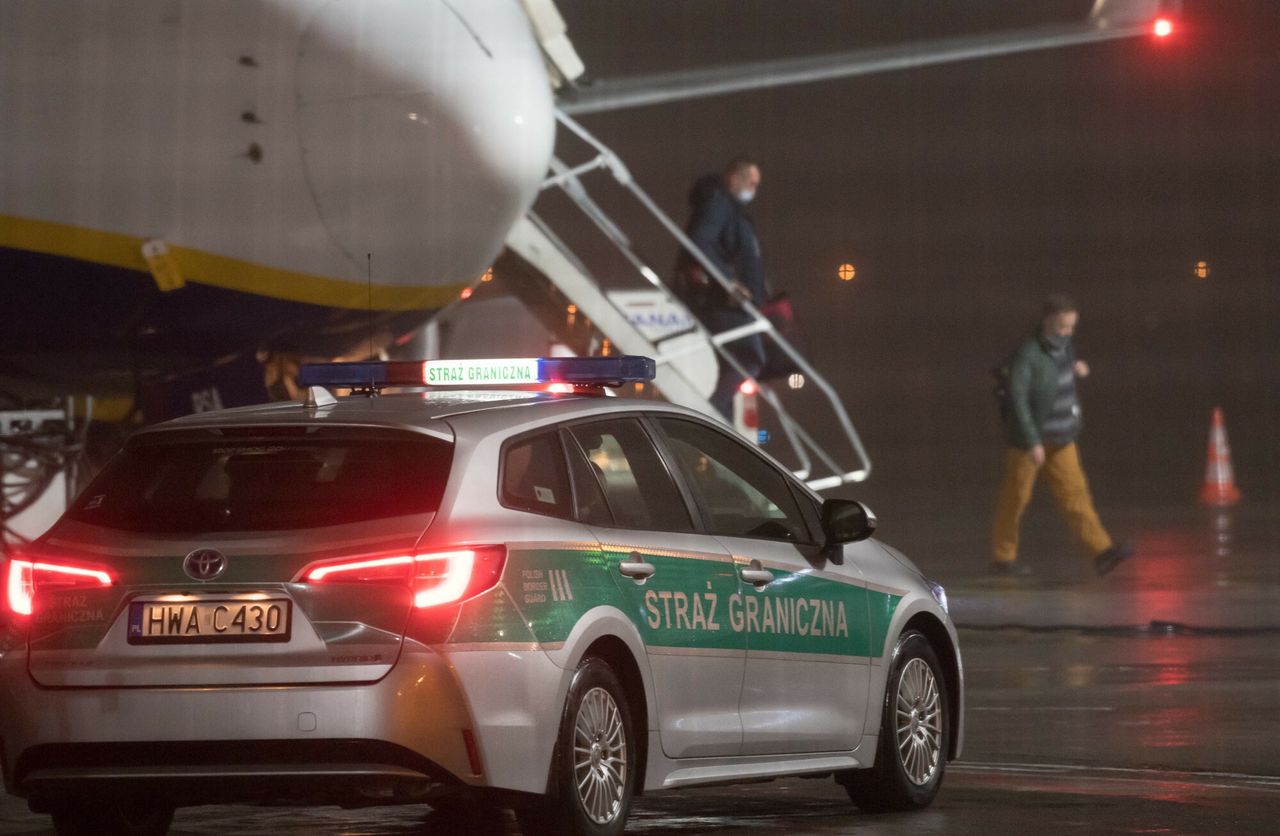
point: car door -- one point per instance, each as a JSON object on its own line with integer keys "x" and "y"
{"x": 804, "y": 614}
{"x": 677, "y": 582}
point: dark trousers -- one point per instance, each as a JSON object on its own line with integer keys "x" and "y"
{"x": 748, "y": 351}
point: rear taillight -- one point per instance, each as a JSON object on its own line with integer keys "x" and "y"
{"x": 24, "y": 578}
{"x": 434, "y": 577}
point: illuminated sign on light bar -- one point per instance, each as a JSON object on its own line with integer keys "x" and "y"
{"x": 523, "y": 371}
{"x": 471, "y": 372}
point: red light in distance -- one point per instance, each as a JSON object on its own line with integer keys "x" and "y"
{"x": 1163, "y": 27}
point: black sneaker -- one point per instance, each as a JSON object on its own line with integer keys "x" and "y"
{"x": 1009, "y": 569}
{"x": 1113, "y": 557}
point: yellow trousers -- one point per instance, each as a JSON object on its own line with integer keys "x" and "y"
{"x": 1066, "y": 481}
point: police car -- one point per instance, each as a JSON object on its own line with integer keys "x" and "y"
{"x": 542, "y": 597}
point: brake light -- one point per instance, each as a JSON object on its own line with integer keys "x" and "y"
{"x": 354, "y": 571}
{"x": 434, "y": 578}
{"x": 23, "y": 578}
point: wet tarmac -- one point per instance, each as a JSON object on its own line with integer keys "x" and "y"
{"x": 980, "y": 799}
{"x": 1069, "y": 732}
{"x": 1197, "y": 570}
{"x": 1144, "y": 702}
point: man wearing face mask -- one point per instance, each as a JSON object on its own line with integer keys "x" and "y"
{"x": 722, "y": 229}
{"x": 1042, "y": 422}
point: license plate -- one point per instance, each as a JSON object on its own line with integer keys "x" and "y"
{"x": 208, "y": 621}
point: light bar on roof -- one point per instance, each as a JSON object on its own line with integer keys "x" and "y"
{"x": 597, "y": 371}
{"x": 523, "y": 371}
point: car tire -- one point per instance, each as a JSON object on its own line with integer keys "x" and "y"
{"x": 593, "y": 769}
{"x": 112, "y": 817}
{"x": 915, "y": 732}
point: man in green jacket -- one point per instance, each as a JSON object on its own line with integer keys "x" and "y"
{"x": 1042, "y": 422}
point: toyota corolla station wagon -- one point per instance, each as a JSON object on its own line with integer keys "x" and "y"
{"x": 500, "y": 584}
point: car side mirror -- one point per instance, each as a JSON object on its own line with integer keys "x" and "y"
{"x": 846, "y": 521}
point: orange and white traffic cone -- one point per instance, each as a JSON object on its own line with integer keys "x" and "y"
{"x": 1219, "y": 479}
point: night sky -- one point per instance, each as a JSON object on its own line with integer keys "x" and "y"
{"x": 966, "y": 193}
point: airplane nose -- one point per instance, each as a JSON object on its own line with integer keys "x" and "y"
{"x": 425, "y": 130}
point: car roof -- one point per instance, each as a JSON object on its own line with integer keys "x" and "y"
{"x": 432, "y": 412}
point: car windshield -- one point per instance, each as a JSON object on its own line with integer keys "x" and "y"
{"x": 302, "y": 478}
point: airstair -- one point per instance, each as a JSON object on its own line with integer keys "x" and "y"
{"x": 684, "y": 355}
{"x": 41, "y": 467}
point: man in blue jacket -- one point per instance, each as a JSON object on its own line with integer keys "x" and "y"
{"x": 722, "y": 229}
{"x": 1042, "y": 422}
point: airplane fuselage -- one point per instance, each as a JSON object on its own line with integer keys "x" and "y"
{"x": 287, "y": 164}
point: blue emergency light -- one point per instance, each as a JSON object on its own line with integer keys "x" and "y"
{"x": 592, "y": 372}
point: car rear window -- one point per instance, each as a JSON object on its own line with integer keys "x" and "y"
{"x": 534, "y": 477}
{"x": 272, "y": 482}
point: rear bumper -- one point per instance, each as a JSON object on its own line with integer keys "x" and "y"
{"x": 401, "y": 734}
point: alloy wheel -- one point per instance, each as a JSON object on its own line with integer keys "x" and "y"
{"x": 919, "y": 722}
{"x": 600, "y": 756}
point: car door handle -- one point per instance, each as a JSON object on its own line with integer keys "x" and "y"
{"x": 756, "y": 576}
{"x": 638, "y": 570}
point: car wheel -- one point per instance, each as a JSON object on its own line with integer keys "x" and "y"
{"x": 914, "y": 731}
{"x": 594, "y": 764}
{"x": 112, "y": 817}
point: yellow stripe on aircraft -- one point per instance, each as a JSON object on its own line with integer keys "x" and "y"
{"x": 116, "y": 250}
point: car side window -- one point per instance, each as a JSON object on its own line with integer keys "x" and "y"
{"x": 743, "y": 495}
{"x": 534, "y": 476}
{"x": 588, "y": 492}
{"x": 640, "y": 492}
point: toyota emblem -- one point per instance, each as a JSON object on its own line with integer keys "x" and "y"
{"x": 205, "y": 564}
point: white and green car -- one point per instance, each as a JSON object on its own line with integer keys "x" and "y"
{"x": 553, "y": 599}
